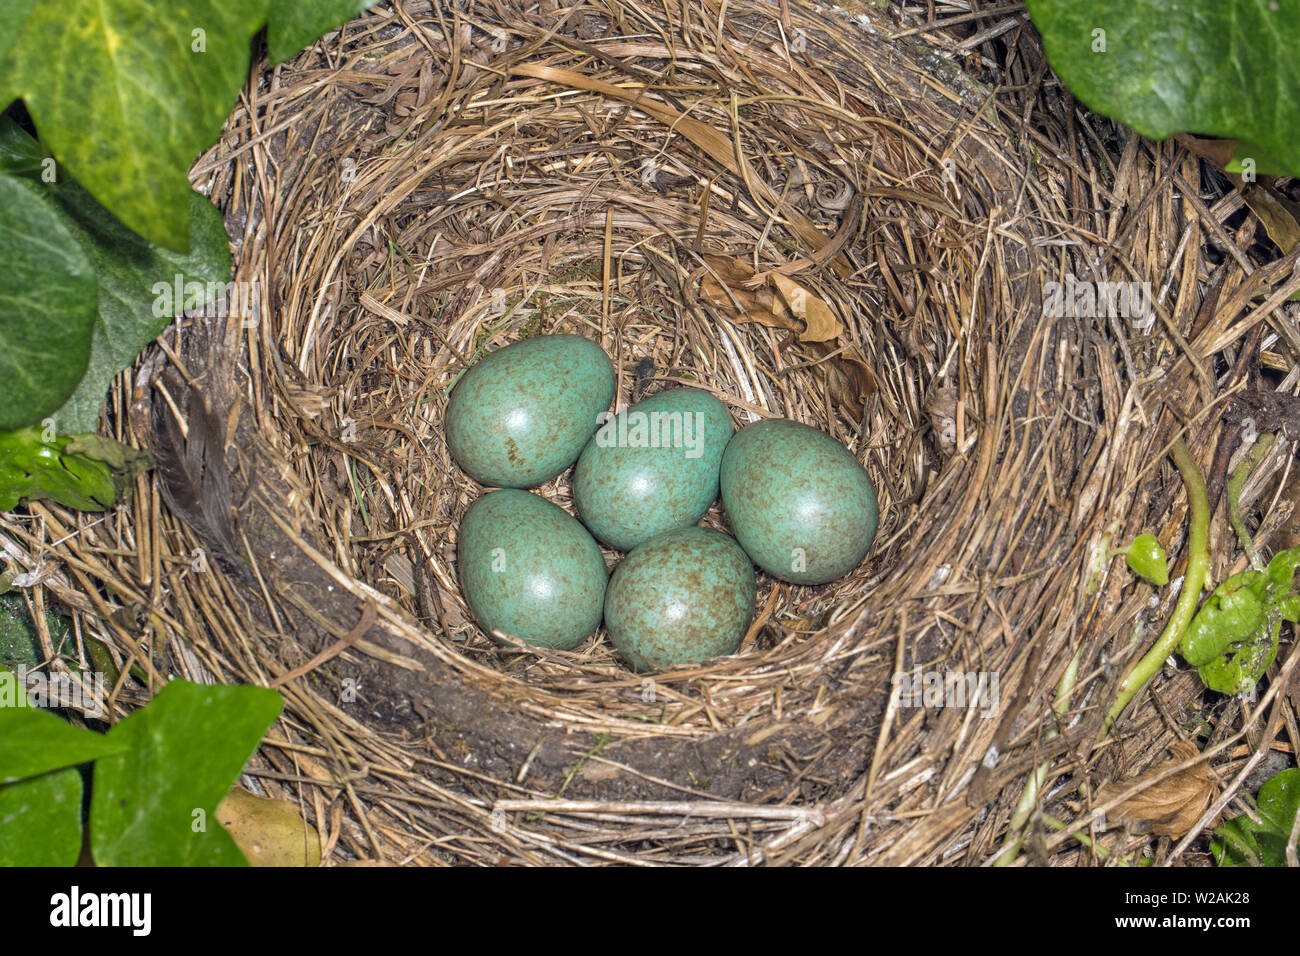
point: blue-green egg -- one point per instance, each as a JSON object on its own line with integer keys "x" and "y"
{"x": 798, "y": 501}
{"x": 523, "y": 413}
{"x": 652, "y": 467}
{"x": 680, "y": 598}
{"x": 530, "y": 569}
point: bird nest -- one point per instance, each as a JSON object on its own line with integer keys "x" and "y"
{"x": 668, "y": 179}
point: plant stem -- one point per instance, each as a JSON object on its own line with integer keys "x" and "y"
{"x": 1235, "y": 484}
{"x": 1198, "y": 566}
{"x": 1061, "y": 703}
{"x": 1082, "y": 837}
{"x": 1086, "y": 840}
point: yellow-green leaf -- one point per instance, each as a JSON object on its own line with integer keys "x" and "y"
{"x": 127, "y": 93}
{"x": 269, "y": 832}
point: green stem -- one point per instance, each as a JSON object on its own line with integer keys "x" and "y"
{"x": 1235, "y": 484}
{"x": 1083, "y": 838}
{"x": 1198, "y": 566}
{"x": 1086, "y": 840}
{"x": 1061, "y": 703}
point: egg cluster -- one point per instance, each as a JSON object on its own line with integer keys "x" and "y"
{"x": 801, "y": 506}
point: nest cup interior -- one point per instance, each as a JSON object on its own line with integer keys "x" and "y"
{"x": 436, "y": 229}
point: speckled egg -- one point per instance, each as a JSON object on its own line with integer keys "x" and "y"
{"x": 523, "y": 413}
{"x": 530, "y": 569}
{"x": 798, "y": 501}
{"x": 680, "y": 598}
{"x": 652, "y": 467}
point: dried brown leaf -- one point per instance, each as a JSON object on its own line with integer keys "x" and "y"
{"x": 1279, "y": 215}
{"x": 730, "y": 270}
{"x": 1172, "y": 806}
{"x": 820, "y": 323}
{"x": 1217, "y": 151}
{"x": 784, "y": 305}
{"x": 849, "y": 379}
{"x": 755, "y": 305}
{"x": 795, "y": 309}
{"x": 942, "y": 409}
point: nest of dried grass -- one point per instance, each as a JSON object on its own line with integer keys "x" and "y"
{"x": 432, "y": 183}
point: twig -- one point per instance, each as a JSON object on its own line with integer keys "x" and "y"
{"x": 368, "y": 615}
{"x": 670, "y": 808}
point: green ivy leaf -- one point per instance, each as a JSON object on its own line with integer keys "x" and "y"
{"x": 154, "y": 804}
{"x": 1241, "y": 665}
{"x": 1279, "y": 800}
{"x": 131, "y": 313}
{"x": 1265, "y": 165}
{"x": 42, "y": 820}
{"x": 1281, "y": 571}
{"x": 12, "y": 15}
{"x": 120, "y": 458}
{"x": 1243, "y": 842}
{"x": 47, "y": 306}
{"x": 1234, "y": 844}
{"x": 1233, "y": 639}
{"x": 19, "y": 153}
{"x": 1147, "y": 560}
{"x": 128, "y": 92}
{"x": 1233, "y": 613}
{"x": 130, "y": 270}
{"x": 32, "y": 469}
{"x": 295, "y": 23}
{"x": 34, "y": 741}
{"x": 1210, "y": 67}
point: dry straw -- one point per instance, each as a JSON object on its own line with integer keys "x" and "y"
{"x": 433, "y": 182}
